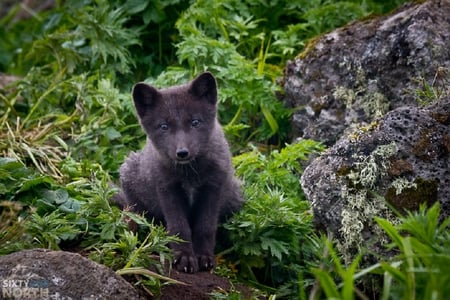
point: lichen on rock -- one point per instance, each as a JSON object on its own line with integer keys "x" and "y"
{"x": 404, "y": 195}
{"x": 360, "y": 206}
{"x": 378, "y": 167}
{"x": 377, "y": 93}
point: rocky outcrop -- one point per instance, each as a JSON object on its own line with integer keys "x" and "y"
{"x": 401, "y": 159}
{"x": 44, "y": 274}
{"x": 365, "y": 69}
{"x": 360, "y": 89}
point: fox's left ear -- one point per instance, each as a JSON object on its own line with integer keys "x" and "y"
{"x": 144, "y": 97}
{"x": 204, "y": 87}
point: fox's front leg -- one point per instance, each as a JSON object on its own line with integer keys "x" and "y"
{"x": 175, "y": 211}
{"x": 204, "y": 226}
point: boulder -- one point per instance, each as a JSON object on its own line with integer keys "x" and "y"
{"x": 45, "y": 274}
{"x": 359, "y": 72}
{"x": 400, "y": 160}
{"x": 362, "y": 91}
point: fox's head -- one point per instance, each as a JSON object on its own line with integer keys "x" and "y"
{"x": 178, "y": 120}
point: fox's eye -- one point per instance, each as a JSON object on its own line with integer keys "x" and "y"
{"x": 195, "y": 122}
{"x": 164, "y": 126}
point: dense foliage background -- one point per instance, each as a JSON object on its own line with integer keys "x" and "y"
{"x": 67, "y": 122}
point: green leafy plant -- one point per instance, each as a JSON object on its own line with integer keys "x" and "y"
{"x": 272, "y": 238}
{"x": 50, "y": 230}
{"x": 11, "y": 227}
{"x": 80, "y": 36}
{"x": 338, "y": 280}
{"x": 421, "y": 269}
{"x": 417, "y": 267}
{"x": 436, "y": 90}
{"x": 216, "y": 36}
{"x": 245, "y": 44}
{"x": 43, "y": 214}
{"x": 146, "y": 258}
{"x": 66, "y": 101}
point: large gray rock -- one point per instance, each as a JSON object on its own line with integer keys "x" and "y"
{"x": 44, "y": 274}
{"x": 403, "y": 158}
{"x": 365, "y": 69}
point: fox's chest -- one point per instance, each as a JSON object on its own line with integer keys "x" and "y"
{"x": 191, "y": 193}
{"x": 190, "y": 182}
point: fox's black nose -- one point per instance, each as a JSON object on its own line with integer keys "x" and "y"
{"x": 182, "y": 153}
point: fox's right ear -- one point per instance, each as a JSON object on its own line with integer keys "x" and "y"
{"x": 144, "y": 97}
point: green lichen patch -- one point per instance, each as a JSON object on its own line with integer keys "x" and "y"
{"x": 347, "y": 96}
{"x": 401, "y": 184}
{"x": 375, "y": 105}
{"x": 362, "y": 130}
{"x": 406, "y": 196}
{"x": 372, "y": 102}
{"x": 360, "y": 206}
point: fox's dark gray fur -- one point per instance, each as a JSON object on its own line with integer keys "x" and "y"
{"x": 184, "y": 176}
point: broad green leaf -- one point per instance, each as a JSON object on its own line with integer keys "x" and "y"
{"x": 58, "y": 196}
{"x": 112, "y": 133}
{"x": 136, "y": 6}
{"x": 35, "y": 181}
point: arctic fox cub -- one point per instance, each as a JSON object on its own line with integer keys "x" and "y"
{"x": 183, "y": 177}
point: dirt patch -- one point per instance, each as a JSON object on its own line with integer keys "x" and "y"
{"x": 200, "y": 286}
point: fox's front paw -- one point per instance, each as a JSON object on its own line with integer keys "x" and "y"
{"x": 206, "y": 262}
{"x": 186, "y": 263}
